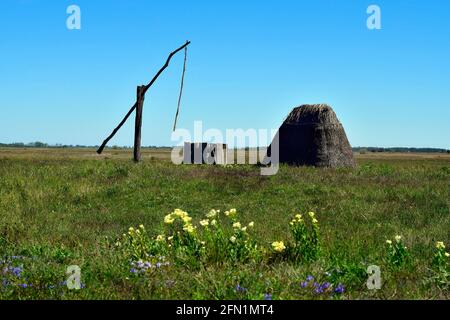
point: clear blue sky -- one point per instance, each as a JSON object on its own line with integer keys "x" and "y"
{"x": 249, "y": 64}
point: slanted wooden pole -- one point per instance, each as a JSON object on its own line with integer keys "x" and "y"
{"x": 138, "y": 123}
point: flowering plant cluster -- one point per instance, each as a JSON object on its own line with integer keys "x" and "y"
{"x": 306, "y": 237}
{"x": 12, "y": 273}
{"x": 397, "y": 253}
{"x": 152, "y": 264}
{"x": 181, "y": 234}
{"x": 217, "y": 237}
{"x": 441, "y": 266}
{"x": 322, "y": 289}
{"x": 441, "y": 257}
{"x": 241, "y": 246}
{"x": 136, "y": 243}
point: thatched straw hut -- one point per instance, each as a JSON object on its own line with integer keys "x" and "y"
{"x": 312, "y": 135}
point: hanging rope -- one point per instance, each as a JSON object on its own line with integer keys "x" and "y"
{"x": 181, "y": 89}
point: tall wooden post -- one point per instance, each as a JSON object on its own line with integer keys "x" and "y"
{"x": 138, "y": 123}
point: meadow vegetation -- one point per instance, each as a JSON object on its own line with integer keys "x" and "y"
{"x": 161, "y": 231}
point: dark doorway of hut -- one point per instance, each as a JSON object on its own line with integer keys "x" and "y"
{"x": 139, "y": 104}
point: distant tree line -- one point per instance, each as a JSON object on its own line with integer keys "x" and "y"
{"x": 39, "y": 144}
{"x": 400, "y": 149}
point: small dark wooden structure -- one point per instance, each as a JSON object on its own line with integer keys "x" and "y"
{"x": 138, "y": 106}
{"x": 204, "y": 153}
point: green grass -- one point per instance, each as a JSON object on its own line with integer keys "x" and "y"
{"x": 56, "y": 212}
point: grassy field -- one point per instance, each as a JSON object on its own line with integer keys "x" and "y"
{"x": 62, "y": 207}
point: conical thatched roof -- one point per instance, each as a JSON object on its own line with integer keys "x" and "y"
{"x": 312, "y": 135}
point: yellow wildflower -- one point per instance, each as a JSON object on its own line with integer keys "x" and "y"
{"x": 160, "y": 238}
{"x": 233, "y": 239}
{"x": 169, "y": 219}
{"x": 231, "y": 213}
{"x": 186, "y": 219}
{"x": 212, "y": 213}
{"x": 440, "y": 245}
{"x": 204, "y": 222}
{"x": 398, "y": 238}
{"x": 141, "y": 226}
{"x": 314, "y": 220}
{"x": 170, "y": 238}
{"x": 180, "y": 213}
{"x": 244, "y": 229}
{"x": 278, "y": 246}
{"x": 251, "y": 224}
{"x": 311, "y": 214}
{"x": 213, "y": 222}
{"x": 447, "y": 254}
{"x": 237, "y": 225}
{"x": 189, "y": 228}
{"x": 388, "y": 241}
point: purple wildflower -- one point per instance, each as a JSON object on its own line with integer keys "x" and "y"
{"x": 133, "y": 270}
{"x": 240, "y": 289}
{"x": 326, "y": 285}
{"x": 16, "y": 271}
{"x": 309, "y": 278}
{"x": 339, "y": 289}
{"x": 267, "y": 296}
{"x": 304, "y": 284}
